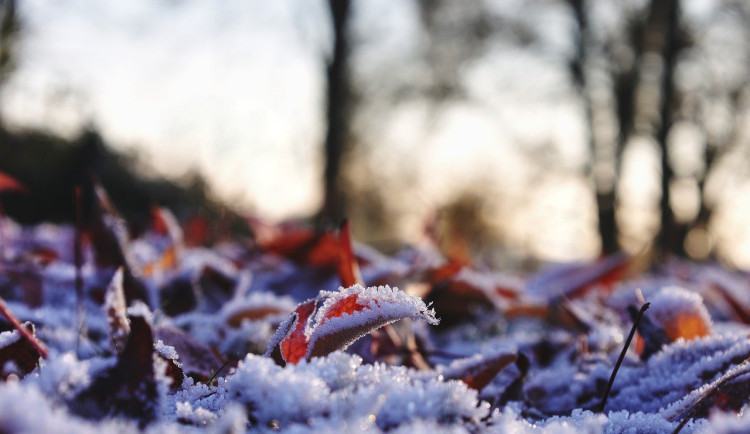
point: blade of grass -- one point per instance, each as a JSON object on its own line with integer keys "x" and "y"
{"x": 78, "y": 257}
{"x": 622, "y": 356}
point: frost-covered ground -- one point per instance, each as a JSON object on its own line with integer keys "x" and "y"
{"x": 150, "y": 334}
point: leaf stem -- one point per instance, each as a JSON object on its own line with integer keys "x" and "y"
{"x": 622, "y": 356}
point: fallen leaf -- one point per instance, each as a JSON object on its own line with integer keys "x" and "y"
{"x": 17, "y": 355}
{"x": 129, "y": 388}
{"x": 339, "y": 318}
{"x": 115, "y": 309}
{"x": 196, "y": 358}
{"x": 10, "y": 184}
{"x": 477, "y": 372}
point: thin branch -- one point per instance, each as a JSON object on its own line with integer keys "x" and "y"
{"x": 33, "y": 340}
{"x": 622, "y": 356}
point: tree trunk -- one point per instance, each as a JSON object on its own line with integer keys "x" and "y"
{"x": 338, "y": 118}
{"x": 605, "y": 197}
{"x": 668, "y": 238}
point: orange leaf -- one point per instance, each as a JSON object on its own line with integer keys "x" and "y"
{"x": 303, "y": 246}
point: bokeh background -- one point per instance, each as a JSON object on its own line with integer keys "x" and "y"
{"x": 534, "y": 130}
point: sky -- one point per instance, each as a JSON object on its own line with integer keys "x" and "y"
{"x": 231, "y": 89}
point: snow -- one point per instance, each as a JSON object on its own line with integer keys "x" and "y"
{"x": 9, "y": 337}
{"x": 357, "y": 391}
{"x": 166, "y": 351}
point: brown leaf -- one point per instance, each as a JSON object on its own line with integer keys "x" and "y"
{"x": 115, "y": 309}
{"x": 196, "y": 358}
{"x": 24, "y": 356}
{"x": 478, "y": 372}
{"x": 129, "y": 388}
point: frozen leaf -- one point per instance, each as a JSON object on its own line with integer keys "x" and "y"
{"x": 681, "y": 313}
{"x": 17, "y": 355}
{"x": 458, "y": 293}
{"x": 480, "y": 370}
{"x": 352, "y": 312}
{"x": 116, "y": 311}
{"x": 174, "y": 367}
{"x": 128, "y": 388}
{"x": 257, "y": 306}
{"x": 316, "y": 329}
{"x": 572, "y": 280}
{"x": 197, "y": 360}
{"x": 290, "y": 337}
{"x": 728, "y": 392}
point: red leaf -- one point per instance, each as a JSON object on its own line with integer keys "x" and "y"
{"x": 8, "y": 183}
{"x": 345, "y": 306}
{"x": 348, "y": 267}
{"x": 294, "y": 346}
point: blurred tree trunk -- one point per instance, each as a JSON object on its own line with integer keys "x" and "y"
{"x": 625, "y": 80}
{"x": 605, "y": 191}
{"x": 338, "y": 117}
{"x": 9, "y": 28}
{"x": 668, "y": 238}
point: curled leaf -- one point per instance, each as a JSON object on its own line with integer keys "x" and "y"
{"x": 344, "y": 316}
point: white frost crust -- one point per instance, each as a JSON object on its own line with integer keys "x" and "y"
{"x": 166, "y": 351}
{"x": 672, "y": 301}
{"x": 8, "y": 338}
